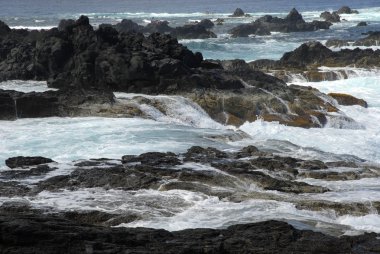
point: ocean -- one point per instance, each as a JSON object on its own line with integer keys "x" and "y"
{"x": 68, "y": 139}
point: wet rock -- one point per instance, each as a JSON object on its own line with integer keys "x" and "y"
{"x": 348, "y": 100}
{"x": 153, "y": 159}
{"x": 347, "y": 10}
{"x": 200, "y": 154}
{"x": 106, "y": 177}
{"x": 21, "y": 161}
{"x": 293, "y": 22}
{"x": 341, "y": 209}
{"x": 362, "y": 23}
{"x": 35, "y": 171}
{"x": 219, "y": 21}
{"x": 312, "y": 165}
{"x": 238, "y": 13}
{"x": 330, "y": 17}
{"x": 13, "y": 188}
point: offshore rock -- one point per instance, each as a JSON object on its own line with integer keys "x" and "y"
{"x": 238, "y": 13}
{"x": 311, "y": 55}
{"x": 294, "y": 22}
{"x": 347, "y": 10}
{"x": 330, "y": 17}
{"x": 86, "y": 64}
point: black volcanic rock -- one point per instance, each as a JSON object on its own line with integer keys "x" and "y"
{"x": 293, "y": 22}
{"x": 158, "y": 26}
{"x": 238, "y": 13}
{"x": 21, "y": 161}
{"x": 330, "y": 17}
{"x": 127, "y": 26}
{"x": 30, "y": 232}
{"x": 65, "y": 102}
{"x": 206, "y": 23}
{"x": 193, "y": 31}
{"x": 347, "y": 10}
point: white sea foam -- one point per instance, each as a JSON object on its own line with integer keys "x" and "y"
{"x": 25, "y": 86}
{"x": 178, "y": 110}
{"x": 67, "y": 139}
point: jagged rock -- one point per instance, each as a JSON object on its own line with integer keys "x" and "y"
{"x": 311, "y": 55}
{"x": 192, "y": 31}
{"x": 127, "y": 26}
{"x": 348, "y": 100}
{"x": 4, "y": 28}
{"x": 347, "y": 10}
{"x": 336, "y": 43}
{"x": 206, "y": 23}
{"x": 266, "y": 24}
{"x": 372, "y": 39}
{"x": 21, "y": 161}
{"x": 65, "y": 24}
{"x": 238, "y": 13}
{"x": 330, "y": 17}
{"x": 158, "y": 26}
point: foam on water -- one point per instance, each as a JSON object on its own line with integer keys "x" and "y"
{"x": 25, "y": 86}
{"x": 67, "y": 139}
{"x": 362, "y": 142}
{"x": 178, "y": 110}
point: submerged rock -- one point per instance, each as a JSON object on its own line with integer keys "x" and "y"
{"x": 362, "y": 23}
{"x": 348, "y": 100}
{"x": 21, "y": 161}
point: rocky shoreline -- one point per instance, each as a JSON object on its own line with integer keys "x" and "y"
{"x": 224, "y": 176}
{"x": 87, "y": 65}
{"x": 52, "y": 234}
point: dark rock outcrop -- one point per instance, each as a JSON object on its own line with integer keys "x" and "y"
{"x": 206, "y": 23}
{"x": 158, "y": 26}
{"x": 330, "y": 17}
{"x": 64, "y": 102}
{"x": 21, "y": 161}
{"x": 362, "y": 23}
{"x": 311, "y": 55}
{"x": 238, "y": 13}
{"x": 128, "y": 26}
{"x": 193, "y": 31}
{"x": 53, "y": 234}
{"x": 293, "y": 22}
{"x": 348, "y": 100}
{"x": 85, "y": 64}
{"x": 347, "y": 10}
